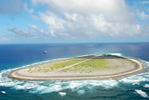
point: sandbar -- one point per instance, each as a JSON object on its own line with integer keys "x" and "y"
{"x": 95, "y": 66}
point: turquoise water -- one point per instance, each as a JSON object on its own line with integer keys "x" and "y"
{"x": 130, "y": 87}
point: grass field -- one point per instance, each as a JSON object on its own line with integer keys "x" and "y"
{"x": 54, "y": 66}
{"x": 64, "y": 64}
{"x": 97, "y": 63}
{"x": 88, "y": 66}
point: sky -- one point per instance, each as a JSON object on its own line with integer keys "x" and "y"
{"x": 74, "y": 21}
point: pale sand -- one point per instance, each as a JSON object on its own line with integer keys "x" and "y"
{"x": 123, "y": 69}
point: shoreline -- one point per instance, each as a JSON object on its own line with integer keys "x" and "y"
{"x": 18, "y": 74}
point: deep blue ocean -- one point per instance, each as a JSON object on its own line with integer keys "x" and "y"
{"x": 16, "y": 56}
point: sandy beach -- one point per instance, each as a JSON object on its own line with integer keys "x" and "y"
{"x": 115, "y": 66}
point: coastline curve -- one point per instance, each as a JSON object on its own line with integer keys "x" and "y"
{"x": 18, "y": 74}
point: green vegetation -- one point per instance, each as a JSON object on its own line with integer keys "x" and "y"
{"x": 64, "y": 64}
{"x": 96, "y": 63}
{"x": 29, "y": 68}
{"x": 54, "y": 66}
{"x": 89, "y": 66}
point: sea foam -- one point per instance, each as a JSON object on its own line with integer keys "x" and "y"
{"x": 78, "y": 86}
{"x": 62, "y": 93}
{"x": 3, "y": 92}
{"x": 142, "y": 93}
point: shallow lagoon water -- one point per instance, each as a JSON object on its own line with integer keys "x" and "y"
{"x": 15, "y": 56}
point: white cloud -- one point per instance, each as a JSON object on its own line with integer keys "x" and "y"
{"x": 84, "y": 6}
{"x": 145, "y": 2}
{"x": 52, "y": 20}
{"x": 3, "y": 38}
{"x": 21, "y": 33}
{"x": 113, "y": 9}
{"x": 72, "y": 17}
{"x": 25, "y": 6}
{"x": 56, "y": 25}
{"x": 34, "y": 17}
{"x": 31, "y": 11}
{"x": 98, "y": 25}
{"x": 88, "y": 18}
{"x": 142, "y": 15}
{"x": 32, "y": 26}
{"x": 39, "y": 31}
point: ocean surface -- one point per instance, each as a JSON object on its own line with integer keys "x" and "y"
{"x": 16, "y": 56}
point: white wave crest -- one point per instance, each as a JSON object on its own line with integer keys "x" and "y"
{"x": 146, "y": 86}
{"x": 78, "y": 86}
{"x": 62, "y": 93}
{"x": 3, "y": 92}
{"x": 142, "y": 93}
{"x": 80, "y": 92}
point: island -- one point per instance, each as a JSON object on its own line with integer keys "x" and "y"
{"x": 93, "y": 66}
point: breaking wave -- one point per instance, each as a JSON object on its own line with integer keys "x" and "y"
{"x": 79, "y": 86}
